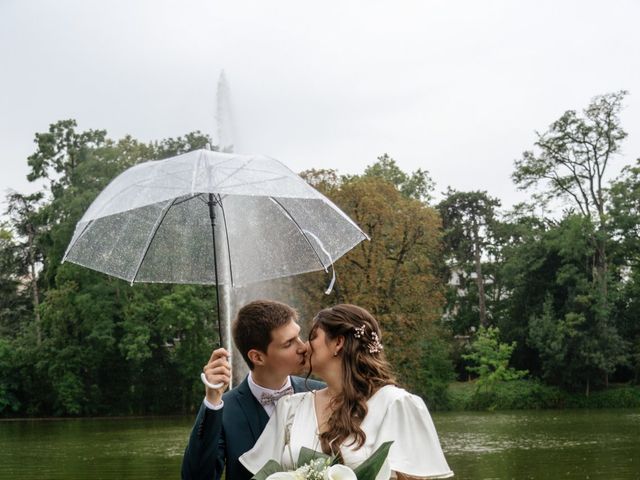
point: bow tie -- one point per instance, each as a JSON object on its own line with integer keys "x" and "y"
{"x": 272, "y": 398}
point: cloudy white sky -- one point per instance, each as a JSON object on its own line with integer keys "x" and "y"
{"x": 454, "y": 87}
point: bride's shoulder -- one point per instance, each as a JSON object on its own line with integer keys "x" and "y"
{"x": 394, "y": 395}
{"x": 391, "y": 393}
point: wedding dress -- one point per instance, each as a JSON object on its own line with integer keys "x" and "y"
{"x": 393, "y": 414}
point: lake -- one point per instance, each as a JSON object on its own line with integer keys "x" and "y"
{"x": 550, "y": 444}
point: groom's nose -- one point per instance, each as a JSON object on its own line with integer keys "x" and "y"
{"x": 302, "y": 346}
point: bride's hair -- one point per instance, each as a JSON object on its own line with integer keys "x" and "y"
{"x": 364, "y": 371}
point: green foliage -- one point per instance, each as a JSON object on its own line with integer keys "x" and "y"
{"x": 269, "y": 468}
{"x": 564, "y": 291}
{"x": 368, "y": 470}
{"x": 468, "y": 223}
{"x": 533, "y": 394}
{"x": 572, "y": 155}
{"x": 107, "y": 348}
{"x": 512, "y": 395}
{"x": 9, "y": 379}
{"x": 581, "y": 260}
{"x": 394, "y": 274}
{"x": 619, "y": 396}
{"x": 490, "y": 359}
{"x": 307, "y": 455}
{"x": 435, "y": 372}
{"x": 417, "y": 185}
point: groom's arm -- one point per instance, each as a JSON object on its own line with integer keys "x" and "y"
{"x": 204, "y": 457}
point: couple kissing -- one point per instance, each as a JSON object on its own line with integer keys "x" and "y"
{"x": 273, "y": 414}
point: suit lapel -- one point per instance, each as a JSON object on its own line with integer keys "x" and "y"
{"x": 255, "y": 414}
{"x": 297, "y": 384}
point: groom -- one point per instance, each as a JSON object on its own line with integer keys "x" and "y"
{"x": 266, "y": 333}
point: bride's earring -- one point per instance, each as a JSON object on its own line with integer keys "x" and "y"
{"x": 335, "y": 354}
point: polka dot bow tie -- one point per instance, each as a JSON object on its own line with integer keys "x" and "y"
{"x": 272, "y": 398}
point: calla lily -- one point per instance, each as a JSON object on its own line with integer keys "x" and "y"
{"x": 339, "y": 472}
{"x": 283, "y": 476}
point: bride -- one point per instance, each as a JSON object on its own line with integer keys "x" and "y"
{"x": 360, "y": 408}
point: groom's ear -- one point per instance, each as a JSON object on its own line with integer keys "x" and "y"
{"x": 256, "y": 357}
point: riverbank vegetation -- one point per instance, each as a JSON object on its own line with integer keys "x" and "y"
{"x": 536, "y": 306}
{"x": 535, "y": 395}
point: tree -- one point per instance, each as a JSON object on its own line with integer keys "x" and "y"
{"x": 553, "y": 305}
{"x": 417, "y": 185}
{"x": 60, "y": 151}
{"x": 468, "y": 220}
{"x": 624, "y": 215}
{"x": 490, "y": 359}
{"x": 105, "y": 347}
{"x": 572, "y": 348}
{"x": 23, "y": 212}
{"x": 570, "y": 164}
{"x": 394, "y": 275}
{"x": 14, "y": 306}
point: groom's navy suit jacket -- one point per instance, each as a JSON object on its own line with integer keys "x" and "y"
{"x": 219, "y": 437}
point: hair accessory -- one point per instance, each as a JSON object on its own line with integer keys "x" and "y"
{"x": 373, "y": 345}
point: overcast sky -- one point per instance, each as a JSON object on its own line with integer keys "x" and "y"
{"x": 454, "y": 87}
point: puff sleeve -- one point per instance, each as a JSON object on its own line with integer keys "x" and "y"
{"x": 416, "y": 449}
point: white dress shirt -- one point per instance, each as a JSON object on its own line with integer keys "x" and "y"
{"x": 257, "y": 391}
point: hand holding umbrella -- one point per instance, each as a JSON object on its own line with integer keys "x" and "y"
{"x": 216, "y": 375}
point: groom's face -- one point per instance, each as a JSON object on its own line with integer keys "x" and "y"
{"x": 286, "y": 352}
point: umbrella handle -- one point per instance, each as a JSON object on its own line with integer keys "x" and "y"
{"x": 215, "y": 386}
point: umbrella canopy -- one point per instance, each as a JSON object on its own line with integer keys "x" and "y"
{"x": 153, "y": 223}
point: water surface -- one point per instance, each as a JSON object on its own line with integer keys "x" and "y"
{"x": 576, "y": 444}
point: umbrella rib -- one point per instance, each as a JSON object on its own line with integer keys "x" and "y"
{"x": 226, "y": 234}
{"x": 233, "y": 172}
{"x": 86, "y": 227}
{"x": 186, "y": 198}
{"x": 152, "y": 235}
{"x": 257, "y": 182}
{"x": 300, "y": 230}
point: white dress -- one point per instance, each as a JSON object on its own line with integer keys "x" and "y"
{"x": 393, "y": 414}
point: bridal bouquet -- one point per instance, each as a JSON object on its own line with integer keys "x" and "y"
{"x": 314, "y": 465}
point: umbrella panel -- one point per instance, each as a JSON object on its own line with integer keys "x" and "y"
{"x": 171, "y": 241}
{"x": 198, "y": 171}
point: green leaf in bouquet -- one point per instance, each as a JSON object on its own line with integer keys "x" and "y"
{"x": 368, "y": 469}
{"x": 269, "y": 468}
{"x": 307, "y": 455}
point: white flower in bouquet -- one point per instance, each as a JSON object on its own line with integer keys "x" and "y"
{"x": 319, "y": 466}
{"x": 285, "y": 476}
{"x": 339, "y": 472}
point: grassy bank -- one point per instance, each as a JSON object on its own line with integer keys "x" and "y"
{"x": 530, "y": 394}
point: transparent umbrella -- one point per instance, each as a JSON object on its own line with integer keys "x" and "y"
{"x": 211, "y": 218}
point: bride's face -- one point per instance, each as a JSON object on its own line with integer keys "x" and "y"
{"x": 321, "y": 351}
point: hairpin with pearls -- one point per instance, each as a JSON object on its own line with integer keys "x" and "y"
{"x": 373, "y": 345}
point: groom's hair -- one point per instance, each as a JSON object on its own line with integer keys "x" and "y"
{"x": 255, "y": 321}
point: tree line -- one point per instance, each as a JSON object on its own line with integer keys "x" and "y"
{"x": 549, "y": 289}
